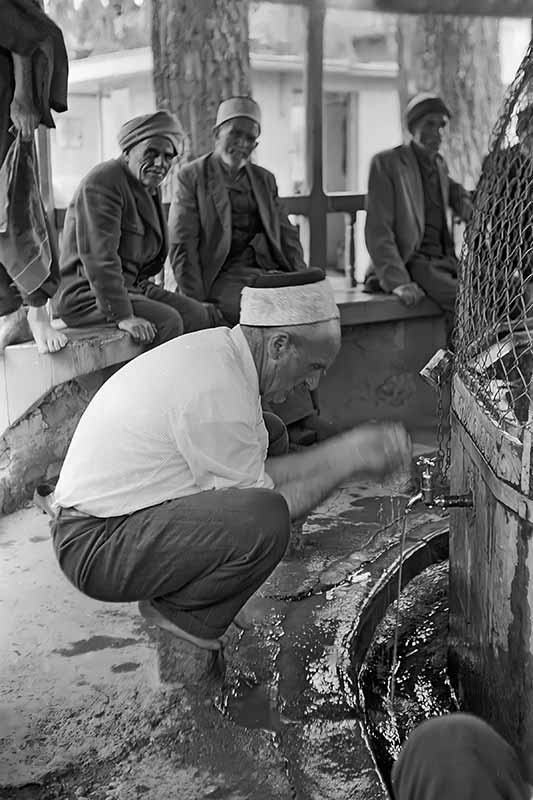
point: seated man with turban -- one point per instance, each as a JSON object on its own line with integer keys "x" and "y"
{"x": 227, "y": 225}
{"x": 183, "y": 499}
{"x": 115, "y": 241}
{"x": 409, "y": 195}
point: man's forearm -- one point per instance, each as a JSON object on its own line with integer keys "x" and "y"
{"x": 308, "y": 477}
{"x": 22, "y": 69}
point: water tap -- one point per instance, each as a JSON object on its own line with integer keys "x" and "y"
{"x": 426, "y": 494}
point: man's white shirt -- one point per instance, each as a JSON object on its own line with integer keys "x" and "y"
{"x": 182, "y": 418}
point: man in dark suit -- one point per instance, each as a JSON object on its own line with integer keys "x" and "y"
{"x": 115, "y": 241}
{"x": 409, "y": 197}
{"x": 227, "y": 226}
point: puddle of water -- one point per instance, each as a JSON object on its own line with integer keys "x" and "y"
{"x": 93, "y": 644}
{"x": 252, "y": 706}
{"x": 126, "y": 666}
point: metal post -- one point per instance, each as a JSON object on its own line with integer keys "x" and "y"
{"x": 313, "y": 86}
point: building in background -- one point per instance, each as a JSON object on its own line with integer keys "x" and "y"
{"x": 111, "y": 81}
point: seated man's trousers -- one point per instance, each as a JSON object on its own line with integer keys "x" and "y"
{"x": 171, "y": 313}
{"x": 197, "y": 558}
{"x": 437, "y": 277}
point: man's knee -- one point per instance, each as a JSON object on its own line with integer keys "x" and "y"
{"x": 278, "y": 436}
{"x": 169, "y": 325}
{"x": 273, "y": 520}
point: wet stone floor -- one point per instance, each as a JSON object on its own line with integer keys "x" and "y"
{"x": 85, "y": 716}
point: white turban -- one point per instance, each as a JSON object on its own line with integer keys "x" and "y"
{"x": 296, "y": 298}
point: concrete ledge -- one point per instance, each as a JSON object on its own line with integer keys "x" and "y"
{"x": 26, "y": 377}
{"x": 384, "y": 345}
{"x": 360, "y": 308}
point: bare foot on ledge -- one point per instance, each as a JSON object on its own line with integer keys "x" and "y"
{"x": 14, "y": 329}
{"x": 48, "y": 339}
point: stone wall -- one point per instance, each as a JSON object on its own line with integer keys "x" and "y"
{"x": 376, "y": 374}
{"x": 33, "y": 450}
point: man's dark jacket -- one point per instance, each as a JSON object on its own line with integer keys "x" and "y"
{"x": 395, "y": 217}
{"x": 200, "y": 225}
{"x": 114, "y": 237}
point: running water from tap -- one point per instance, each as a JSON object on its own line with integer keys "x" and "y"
{"x": 394, "y": 667}
{"x": 426, "y": 467}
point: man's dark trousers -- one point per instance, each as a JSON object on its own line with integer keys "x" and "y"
{"x": 198, "y": 558}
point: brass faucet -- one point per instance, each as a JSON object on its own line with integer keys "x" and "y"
{"x": 426, "y": 493}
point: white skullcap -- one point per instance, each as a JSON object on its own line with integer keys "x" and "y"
{"x": 295, "y": 302}
{"x": 238, "y": 107}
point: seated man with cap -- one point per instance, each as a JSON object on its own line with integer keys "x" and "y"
{"x": 183, "y": 499}
{"x": 407, "y": 232}
{"x": 115, "y": 241}
{"x": 227, "y": 224}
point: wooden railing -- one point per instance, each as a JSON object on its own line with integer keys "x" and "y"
{"x": 339, "y": 203}
{"x": 299, "y": 205}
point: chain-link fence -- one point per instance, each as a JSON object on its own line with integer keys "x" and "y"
{"x": 494, "y": 331}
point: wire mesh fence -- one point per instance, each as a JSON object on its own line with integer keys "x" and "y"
{"x": 494, "y": 330}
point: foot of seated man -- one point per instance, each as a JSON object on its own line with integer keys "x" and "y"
{"x": 22, "y": 326}
{"x": 47, "y": 338}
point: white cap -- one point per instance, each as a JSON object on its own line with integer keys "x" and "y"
{"x": 282, "y": 306}
{"x": 238, "y": 107}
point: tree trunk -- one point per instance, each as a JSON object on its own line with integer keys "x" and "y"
{"x": 457, "y": 58}
{"x": 201, "y": 56}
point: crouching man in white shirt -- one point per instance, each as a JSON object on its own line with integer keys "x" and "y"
{"x": 169, "y": 494}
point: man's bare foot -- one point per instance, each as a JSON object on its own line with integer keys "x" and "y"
{"x": 152, "y": 615}
{"x": 14, "y": 329}
{"x": 47, "y": 338}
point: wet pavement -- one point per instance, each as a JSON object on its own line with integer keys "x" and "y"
{"x": 83, "y": 713}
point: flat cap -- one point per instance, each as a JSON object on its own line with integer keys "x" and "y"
{"x": 422, "y": 104}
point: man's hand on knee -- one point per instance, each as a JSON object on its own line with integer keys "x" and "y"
{"x": 140, "y": 330}
{"x": 410, "y": 293}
